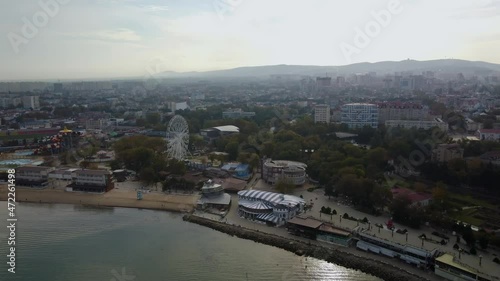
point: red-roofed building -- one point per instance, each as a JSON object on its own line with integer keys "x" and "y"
{"x": 417, "y": 199}
{"x": 489, "y": 134}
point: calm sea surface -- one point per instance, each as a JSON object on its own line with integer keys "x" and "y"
{"x": 75, "y": 243}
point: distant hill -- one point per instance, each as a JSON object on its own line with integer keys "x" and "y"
{"x": 384, "y": 67}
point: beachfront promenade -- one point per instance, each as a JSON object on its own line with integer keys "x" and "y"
{"x": 317, "y": 197}
{"x": 124, "y": 196}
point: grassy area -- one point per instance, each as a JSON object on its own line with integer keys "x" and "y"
{"x": 467, "y": 216}
{"x": 469, "y": 219}
{"x": 465, "y": 200}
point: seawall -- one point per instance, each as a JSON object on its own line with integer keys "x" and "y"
{"x": 376, "y": 268}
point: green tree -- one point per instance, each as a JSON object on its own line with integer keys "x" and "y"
{"x": 176, "y": 167}
{"x": 439, "y": 192}
{"x": 148, "y": 176}
{"x": 115, "y": 165}
{"x": 232, "y": 149}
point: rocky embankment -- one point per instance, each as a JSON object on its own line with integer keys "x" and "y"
{"x": 376, "y": 268}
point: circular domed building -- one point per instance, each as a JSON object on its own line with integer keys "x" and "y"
{"x": 274, "y": 170}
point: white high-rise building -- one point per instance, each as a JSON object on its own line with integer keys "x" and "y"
{"x": 358, "y": 115}
{"x": 31, "y": 102}
{"x": 322, "y": 114}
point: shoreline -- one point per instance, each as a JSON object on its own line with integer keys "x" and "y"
{"x": 186, "y": 203}
{"x": 114, "y": 198}
{"x": 377, "y": 268}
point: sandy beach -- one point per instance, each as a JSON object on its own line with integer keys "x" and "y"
{"x": 115, "y": 198}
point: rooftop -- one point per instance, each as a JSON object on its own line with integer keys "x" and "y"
{"x": 410, "y": 194}
{"x": 367, "y": 104}
{"x": 222, "y": 199}
{"x": 332, "y": 229}
{"x": 272, "y": 197}
{"x": 92, "y": 172}
{"x": 307, "y": 222}
{"x": 33, "y": 168}
{"x": 228, "y": 129}
{"x": 285, "y": 163}
{"x": 452, "y": 261}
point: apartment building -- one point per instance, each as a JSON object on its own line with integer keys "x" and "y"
{"x": 401, "y": 111}
{"x": 358, "y": 115}
{"x": 322, "y": 114}
{"x": 419, "y": 124}
{"x": 91, "y": 181}
{"x": 33, "y": 175}
{"x": 235, "y": 113}
{"x": 446, "y": 152}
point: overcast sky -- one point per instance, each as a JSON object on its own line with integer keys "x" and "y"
{"x": 119, "y": 38}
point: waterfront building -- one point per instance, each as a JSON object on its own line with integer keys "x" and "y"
{"x": 62, "y": 174}
{"x": 418, "y": 124}
{"x": 274, "y": 170}
{"x": 91, "y": 181}
{"x": 315, "y": 229}
{"x": 409, "y": 254}
{"x": 213, "y": 196}
{"x": 448, "y": 267}
{"x": 270, "y": 207}
{"x": 322, "y": 114}
{"x": 358, "y": 115}
{"x": 33, "y": 175}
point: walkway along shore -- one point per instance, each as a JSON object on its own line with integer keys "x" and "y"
{"x": 113, "y": 198}
{"x": 385, "y": 271}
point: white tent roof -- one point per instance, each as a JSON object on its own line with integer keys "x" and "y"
{"x": 228, "y": 129}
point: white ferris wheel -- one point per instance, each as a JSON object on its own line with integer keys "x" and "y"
{"x": 177, "y": 138}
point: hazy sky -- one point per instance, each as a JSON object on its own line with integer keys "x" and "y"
{"x": 116, "y": 38}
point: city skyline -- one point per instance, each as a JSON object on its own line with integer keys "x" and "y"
{"x": 99, "y": 39}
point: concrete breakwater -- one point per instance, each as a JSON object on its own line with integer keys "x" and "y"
{"x": 376, "y": 268}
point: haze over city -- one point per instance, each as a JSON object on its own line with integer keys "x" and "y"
{"x": 109, "y": 39}
{"x": 250, "y": 140}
